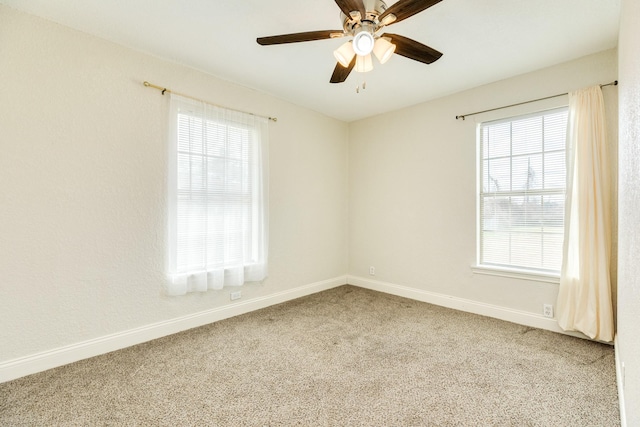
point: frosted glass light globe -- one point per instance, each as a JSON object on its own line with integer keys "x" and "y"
{"x": 363, "y": 43}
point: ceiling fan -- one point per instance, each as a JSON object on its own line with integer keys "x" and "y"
{"x": 363, "y": 20}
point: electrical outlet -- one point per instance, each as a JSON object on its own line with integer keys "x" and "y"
{"x": 372, "y": 271}
{"x": 236, "y": 295}
{"x": 547, "y": 310}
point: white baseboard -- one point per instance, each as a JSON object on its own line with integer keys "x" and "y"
{"x": 42, "y": 361}
{"x": 470, "y": 306}
{"x": 620, "y": 382}
{"x": 38, "y": 362}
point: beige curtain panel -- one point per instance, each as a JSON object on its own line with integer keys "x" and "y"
{"x": 584, "y": 299}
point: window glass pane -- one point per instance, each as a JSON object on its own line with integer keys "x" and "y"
{"x": 527, "y": 172}
{"x": 555, "y": 131}
{"x": 526, "y": 250}
{"x": 523, "y": 177}
{"x": 217, "y": 231}
{"x": 488, "y": 186}
{"x": 500, "y": 174}
{"x": 497, "y": 140}
{"x": 484, "y": 140}
{"x": 216, "y": 135}
{"x": 553, "y": 219}
{"x": 235, "y": 143}
{"x": 184, "y": 177}
{"x": 555, "y": 174}
{"x": 527, "y": 213}
{"x": 215, "y": 227}
{"x": 190, "y": 132}
{"x": 197, "y": 177}
{"x": 495, "y": 248}
{"x": 191, "y": 230}
{"x": 496, "y": 214}
{"x": 234, "y": 176}
{"x": 552, "y": 252}
{"x": 215, "y": 174}
{"x": 527, "y": 136}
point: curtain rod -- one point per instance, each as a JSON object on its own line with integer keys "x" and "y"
{"x": 613, "y": 83}
{"x": 164, "y": 90}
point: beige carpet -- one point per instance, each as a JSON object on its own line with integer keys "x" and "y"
{"x": 347, "y": 356}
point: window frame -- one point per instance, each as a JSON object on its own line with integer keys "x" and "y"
{"x": 242, "y": 196}
{"x": 248, "y": 197}
{"x": 511, "y": 271}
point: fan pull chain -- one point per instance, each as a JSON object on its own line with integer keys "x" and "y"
{"x": 363, "y": 86}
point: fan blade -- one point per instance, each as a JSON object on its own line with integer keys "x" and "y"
{"x": 413, "y": 50}
{"x": 299, "y": 37}
{"x": 348, "y": 6}
{"x": 404, "y": 9}
{"x": 341, "y": 73}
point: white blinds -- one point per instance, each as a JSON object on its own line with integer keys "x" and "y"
{"x": 522, "y": 193}
{"x": 217, "y": 197}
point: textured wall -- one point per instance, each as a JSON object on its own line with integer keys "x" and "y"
{"x": 629, "y": 205}
{"x": 412, "y": 177}
{"x": 82, "y": 168}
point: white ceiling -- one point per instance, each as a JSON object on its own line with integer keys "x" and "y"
{"x": 482, "y": 41}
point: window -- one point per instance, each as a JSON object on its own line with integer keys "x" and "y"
{"x": 522, "y": 192}
{"x": 217, "y": 197}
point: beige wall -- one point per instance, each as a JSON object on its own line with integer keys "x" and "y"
{"x": 82, "y": 169}
{"x": 412, "y": 183}
{"x": 628, "y": 340}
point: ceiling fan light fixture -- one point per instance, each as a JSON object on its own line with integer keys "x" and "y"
{"x": 383, "y": 49}
{"x": 364, "y": 63}
{"x": 363, "y": 42}
{"x": 344, "y": 54}
{"x": 363, "y": 20}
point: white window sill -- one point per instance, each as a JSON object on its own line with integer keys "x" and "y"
{"x": 515, "y": 273}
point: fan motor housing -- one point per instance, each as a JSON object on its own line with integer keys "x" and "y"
{"x": 374, "y": 9}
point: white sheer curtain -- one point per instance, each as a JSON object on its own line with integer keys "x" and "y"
{"x": 584, "y": 299}
{"x": 217, "y": 197}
